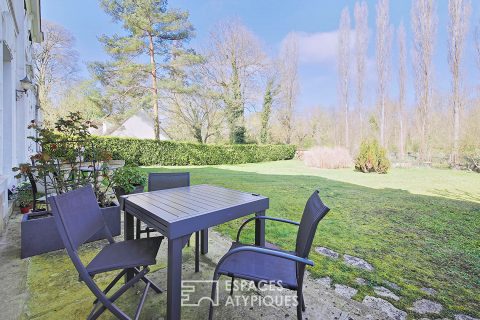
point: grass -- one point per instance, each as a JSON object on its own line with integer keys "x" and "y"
{"x": 417, "y": 227}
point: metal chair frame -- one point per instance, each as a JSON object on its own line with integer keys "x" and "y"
{"x": 300, "y": 257}
{"x": 102, "y": 302}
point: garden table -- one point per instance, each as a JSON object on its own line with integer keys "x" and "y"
{"x": 179, "y": 212}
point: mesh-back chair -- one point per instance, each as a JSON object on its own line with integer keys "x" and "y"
{"x": 169, "y": 180}
{"x": 260, "y": 264}
{"x": 78, "y": 217}
{"x": 162, "y": 181}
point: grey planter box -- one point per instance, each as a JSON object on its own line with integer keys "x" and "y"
{"x": 119, "y": 192}
{"x": 40, "y": 235}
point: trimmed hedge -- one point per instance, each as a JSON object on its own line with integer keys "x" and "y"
{"x": 147, "y": 152}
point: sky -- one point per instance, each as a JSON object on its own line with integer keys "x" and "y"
{"x": 316, "y": 23}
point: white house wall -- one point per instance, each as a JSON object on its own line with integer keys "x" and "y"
{"x": 16, "y": 63}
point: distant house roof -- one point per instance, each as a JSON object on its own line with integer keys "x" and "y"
{"x": 140, "y": 125}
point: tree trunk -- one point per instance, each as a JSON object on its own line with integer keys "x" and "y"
{"x": 382, "y": 122}
{"x": 402, "y": 138}
{"x": 456, "y": 124}
{"x": 347, "y": 129}
{"x": 153, "y": 65}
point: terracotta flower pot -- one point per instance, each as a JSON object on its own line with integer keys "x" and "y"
{"x": 25, "y": 209}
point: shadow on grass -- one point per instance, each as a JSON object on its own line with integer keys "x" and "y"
{"x": 412, "y": 240}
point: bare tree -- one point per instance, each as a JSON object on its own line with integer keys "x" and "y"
{"x": 459, "y": 12}
{"x": 383, "y": 47}
{"x": 193, "y": 106}
{"x": 402, "y": 78}
{"x": 55, "y": 62}
{"x": 289, "y": 83}
{"x": 424, "y": 25}
{"x": 235, "y": 62}
{"x": 343, "y": 69}
{"x": 477, "y": 43}
{"x": 361, "y": 47}
{"x": 199, "y": 113}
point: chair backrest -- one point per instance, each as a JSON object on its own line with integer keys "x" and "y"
{"x": 162, "y": 181}
{"x": 78, "y": 217}
{"x": 34, "y": 189}
{"x": 314, "y": 211}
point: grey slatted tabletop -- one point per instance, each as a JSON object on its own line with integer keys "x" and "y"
{"x": 179, "y": 212}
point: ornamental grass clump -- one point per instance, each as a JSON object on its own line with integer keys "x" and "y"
{"x": 372, "y": 158}
{"x": 328, "y": 158}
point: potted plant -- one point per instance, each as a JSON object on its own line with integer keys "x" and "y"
{"x": 24, "y": 197}
{"x": 128, "y": 180}
{"x": 66, "y": 160}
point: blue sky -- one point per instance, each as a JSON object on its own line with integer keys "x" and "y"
{"x": 316, "y": 21}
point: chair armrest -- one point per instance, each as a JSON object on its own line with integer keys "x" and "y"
{"x": 270, "y": 252}
{"x": 264, "y": 218}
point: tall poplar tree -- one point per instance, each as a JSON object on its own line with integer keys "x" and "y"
{"x": 150, "y": 30}
{"x": 266, "y": 111}
{"x": 343, "y": 69}
{"x": 459, "y": 13}
{"x": 383, "y": 48}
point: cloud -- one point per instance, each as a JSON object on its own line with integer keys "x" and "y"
{"x": 319, "y": 47}
{"x": 315, "y": 48}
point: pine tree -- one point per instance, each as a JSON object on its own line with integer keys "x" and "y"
{"x": 150, "y": 31}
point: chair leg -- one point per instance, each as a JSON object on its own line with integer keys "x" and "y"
{"x": 299, "y": 305}
{"x": 197, "y": 251}
{"x": 113, "y": 283}
{"x": 145, "y": 279}
{"x": 231, "y": 285}
{"x": 303, "y": 303}
{"x": 142, "y": 301}
{"x": 138, "y": 233}
{"x": 116, "y": 295}
{"x": 214, "y": 290}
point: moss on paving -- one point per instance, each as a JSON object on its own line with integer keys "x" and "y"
{"x": 417, "y": 227}
{"x": 56, "y": 293}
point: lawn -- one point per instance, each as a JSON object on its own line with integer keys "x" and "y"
{"x": 417, "y": 227}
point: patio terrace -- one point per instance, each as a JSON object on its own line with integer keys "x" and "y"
{"x": 47, "y": 287}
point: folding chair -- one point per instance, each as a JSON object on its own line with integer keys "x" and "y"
{"x": 78, "y": 217}
{"x": 265, "y": 265}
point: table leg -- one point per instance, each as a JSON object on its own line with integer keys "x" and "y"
{"x": 260, "y": 230}
{"x": 204, "y": 241}
{"x": 197, "y": 251}
{"x": 174, "y": 278}
{"x": 128, "y": 231}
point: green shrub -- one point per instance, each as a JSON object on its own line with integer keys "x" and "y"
{"x": 24, "y": 195}
{"x": 147, "y": 152}
{"x": 127, "y": 178}
{"x": 372, "y": 158}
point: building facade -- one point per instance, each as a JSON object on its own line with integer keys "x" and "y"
{"x": 20, "y": 28}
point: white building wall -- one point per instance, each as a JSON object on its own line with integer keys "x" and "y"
{"x": 19, "y": 25}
